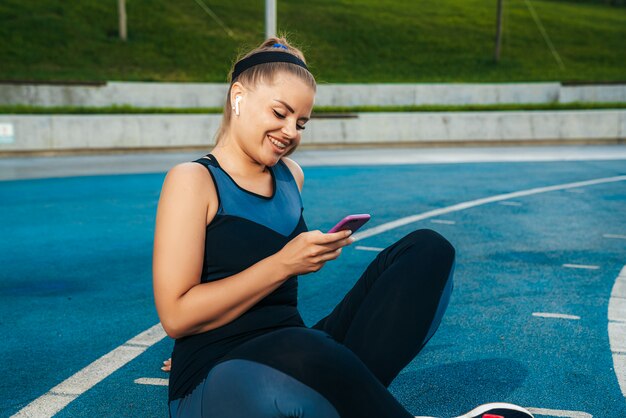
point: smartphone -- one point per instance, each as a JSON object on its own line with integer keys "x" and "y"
{"x": 351, "y": 222}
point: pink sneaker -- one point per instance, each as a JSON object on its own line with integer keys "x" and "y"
{"x": 495, "y": 410}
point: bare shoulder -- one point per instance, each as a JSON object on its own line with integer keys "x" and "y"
{"x": 296, "y": 171}
{"x": 189, "y": 175}
{"x": 190, "y": 183}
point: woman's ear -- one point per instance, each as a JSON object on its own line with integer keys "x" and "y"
{"x": 236, "y": 89}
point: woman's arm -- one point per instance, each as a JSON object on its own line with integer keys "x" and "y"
{"x": 186, "y": 306}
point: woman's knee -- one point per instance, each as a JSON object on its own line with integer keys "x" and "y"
{"x": 428, "y": 239}
{"x": 429, "y": 258}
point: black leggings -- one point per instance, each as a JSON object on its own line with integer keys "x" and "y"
{"x": 342, "y": 366}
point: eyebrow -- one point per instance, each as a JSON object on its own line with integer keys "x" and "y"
{"x": 290, "y": 108}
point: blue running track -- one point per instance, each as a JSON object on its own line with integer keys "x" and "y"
{"x": 75, "y": 283}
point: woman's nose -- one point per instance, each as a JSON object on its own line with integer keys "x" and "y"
{"x": 289, "y": 130}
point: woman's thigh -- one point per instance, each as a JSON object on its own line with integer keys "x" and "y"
{"x": 330, "y": 369}
{"x": 240, "y": 388}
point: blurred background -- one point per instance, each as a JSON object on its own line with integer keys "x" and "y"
{"x": 412, "y": 58}
{"x": 345, "y": 41}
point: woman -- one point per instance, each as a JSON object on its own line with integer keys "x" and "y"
{"x": 230, "y": 241}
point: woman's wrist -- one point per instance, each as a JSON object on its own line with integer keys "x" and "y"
{"x": 280, "y": 269}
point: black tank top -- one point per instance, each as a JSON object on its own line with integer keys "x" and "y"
{"x": 247, "y": 228}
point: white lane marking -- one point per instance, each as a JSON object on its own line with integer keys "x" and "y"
{"x": 581, "y": 266}
{"x": 617, "y": 328}
{"x": 555, "y": 315}
{"x": 360, "y": 247}
{"x": 619, "y": 290}
{"x": 473, "y": 203}
{"x": 614, "y": 236}
{"x": 619, "y": 366}
{"x": 617, "y": 336}
{"x": 442, "y": 221}
{"x": 510, "y": 203}
{"x": 93, "y": 368}
{"x": 617, "y": 309}
{"x": 559, "y": 413}
{"x": 65, "y": 392}
{"x": 152, "y": 381}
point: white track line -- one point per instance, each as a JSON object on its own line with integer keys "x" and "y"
{"x": 360, "y": 247}
{"x": 152, "y": 381}
{"x": 559, "y": 413}
{"x": 617, "y": 303}
{"x": 617, "y": 328}
{"x": 442, "y": 221}
{"x": 53, "y": 401}
{"x": 473, "y": 203}
{"x": 555, "y": 315}
{"x": 613, "y": 236}
{"x": 581, "y": 266}
{"x": 65, "y": 392}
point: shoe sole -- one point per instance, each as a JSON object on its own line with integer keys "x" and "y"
{"x": 505, "y": 410}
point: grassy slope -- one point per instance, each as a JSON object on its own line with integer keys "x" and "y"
{"x": 344, "y": 40}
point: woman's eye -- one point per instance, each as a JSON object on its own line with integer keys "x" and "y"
{"x": 281, "y": 116}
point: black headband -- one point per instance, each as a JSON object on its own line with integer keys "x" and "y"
{"x": 264, "y": 57}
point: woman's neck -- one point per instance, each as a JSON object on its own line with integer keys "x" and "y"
{"x": 234, "y": 160}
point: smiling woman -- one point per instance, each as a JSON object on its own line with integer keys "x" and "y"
{"x": 230, "y": 242}
{"x": 271, "y": 97}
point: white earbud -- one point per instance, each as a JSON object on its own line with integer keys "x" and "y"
{"x": 237, "y": 99}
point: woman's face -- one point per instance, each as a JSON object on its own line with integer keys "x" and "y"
{"x": 272, "y": 117}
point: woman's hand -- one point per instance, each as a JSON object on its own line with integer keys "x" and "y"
{"x": 167, "y": 365}
{"x": 309, "y": 251}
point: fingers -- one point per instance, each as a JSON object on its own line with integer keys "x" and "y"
{"x": 322, "y": 238}
{"x": 335, "y": 245}
{"x": 325, "y": 247}
{"x": 167, "y": 365}
{"x": 319, "y": 261}
{"x": 330, "y": 255}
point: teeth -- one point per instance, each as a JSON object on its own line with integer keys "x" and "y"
{"x": 278, "y": 144}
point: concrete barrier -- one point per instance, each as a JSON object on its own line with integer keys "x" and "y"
{"x": 593, "y": 94}
{"x": 435, "y": 94}
{"x": 118, "y": 132}
{"x": 139, "y": 94}
{"x": 472, "y": 127}
{"x": 190, "y": 95}
{"x": 73, "y": 132}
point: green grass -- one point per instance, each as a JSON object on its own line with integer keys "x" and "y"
{"x": 129, "y": 110}
{"x": 344, "y": 40}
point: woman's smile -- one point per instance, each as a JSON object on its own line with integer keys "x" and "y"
{"x": 279, "y": 146}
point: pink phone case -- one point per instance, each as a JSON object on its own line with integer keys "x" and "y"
{"x": 351, "y": 222}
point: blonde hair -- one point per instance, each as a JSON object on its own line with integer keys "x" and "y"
{"x": 264, "y": 73}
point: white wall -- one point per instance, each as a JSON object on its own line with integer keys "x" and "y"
{"x": 189, "y": 95}
{"x": 74, "y": 132}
